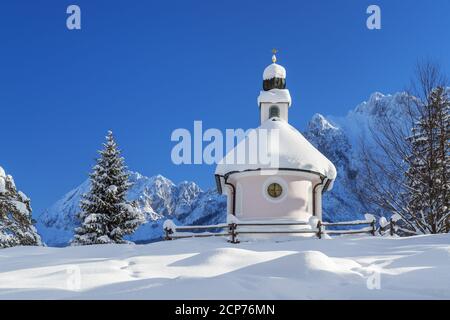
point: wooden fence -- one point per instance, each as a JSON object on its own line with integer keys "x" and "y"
{"x": 232, "y": 230}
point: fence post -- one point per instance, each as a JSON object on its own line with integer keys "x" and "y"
{"x": 373, "y": 225}
{"x": 233, "y": 233}
{"x": 392, "y": 227}
{"x": 319, "y": 229}
{"x": 168, "y": 232}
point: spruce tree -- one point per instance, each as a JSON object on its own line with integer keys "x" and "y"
{"x": 429, "y": 166}
{"x": 16, "y": 223}
{"x": 106, "y": 216}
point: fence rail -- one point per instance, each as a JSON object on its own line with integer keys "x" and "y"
{"x": 233, "y": 230}
{"x": 198, "y": 235}
{"x": 219, "y": 226}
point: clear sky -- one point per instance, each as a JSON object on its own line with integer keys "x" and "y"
{"x": 145, "y": 68}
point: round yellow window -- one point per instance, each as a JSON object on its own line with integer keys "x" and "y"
{"x": 274, "y": 190}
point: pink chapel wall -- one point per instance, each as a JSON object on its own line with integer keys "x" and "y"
{"x": 253, "y": 202}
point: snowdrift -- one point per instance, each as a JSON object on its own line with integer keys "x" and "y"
{"x": 341, "y": 268}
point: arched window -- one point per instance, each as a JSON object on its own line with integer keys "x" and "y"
{"x": 274, "y": 112}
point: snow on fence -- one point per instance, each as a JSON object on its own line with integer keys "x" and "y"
{"x": 233, "y": 229}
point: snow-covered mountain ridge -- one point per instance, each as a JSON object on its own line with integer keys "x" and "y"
{"x": 159, "y": 198}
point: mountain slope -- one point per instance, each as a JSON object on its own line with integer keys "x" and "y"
{"x": 340, "y": 139}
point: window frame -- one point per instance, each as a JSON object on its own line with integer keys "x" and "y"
{"x": 284, "y": 189}
{"x": 275, "y": 190}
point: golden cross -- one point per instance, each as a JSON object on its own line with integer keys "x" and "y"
{"x": 274, "y": 51}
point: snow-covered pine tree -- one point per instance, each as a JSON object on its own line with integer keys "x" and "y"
{"x": 16, "y": 224}
{"x": 106, "y": 216}
{"x": 428, "y": 176}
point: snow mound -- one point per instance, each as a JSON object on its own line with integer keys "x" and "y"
{"x": 223, "y": 260}
{"x": 315, "y": 260}
{"x": 170, "y": 225}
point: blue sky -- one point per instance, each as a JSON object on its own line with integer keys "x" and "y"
{"x": 145, "y": 68}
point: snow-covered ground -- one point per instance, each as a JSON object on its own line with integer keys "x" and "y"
{"x": 341, "y": 268}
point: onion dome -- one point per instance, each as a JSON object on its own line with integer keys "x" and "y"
{"x": 274, "y": 76}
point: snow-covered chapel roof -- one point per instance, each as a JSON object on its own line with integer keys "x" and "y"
{"x": 294, "y": 152}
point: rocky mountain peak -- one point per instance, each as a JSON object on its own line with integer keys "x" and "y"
{"x": 379, "y": 105}
{"x": 319, "y": 123}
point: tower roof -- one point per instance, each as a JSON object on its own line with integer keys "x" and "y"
{"x": 274, "y": 71}
{"x": 274, "y": 84}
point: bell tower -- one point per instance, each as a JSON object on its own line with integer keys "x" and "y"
{"x": 274, "y": 101}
